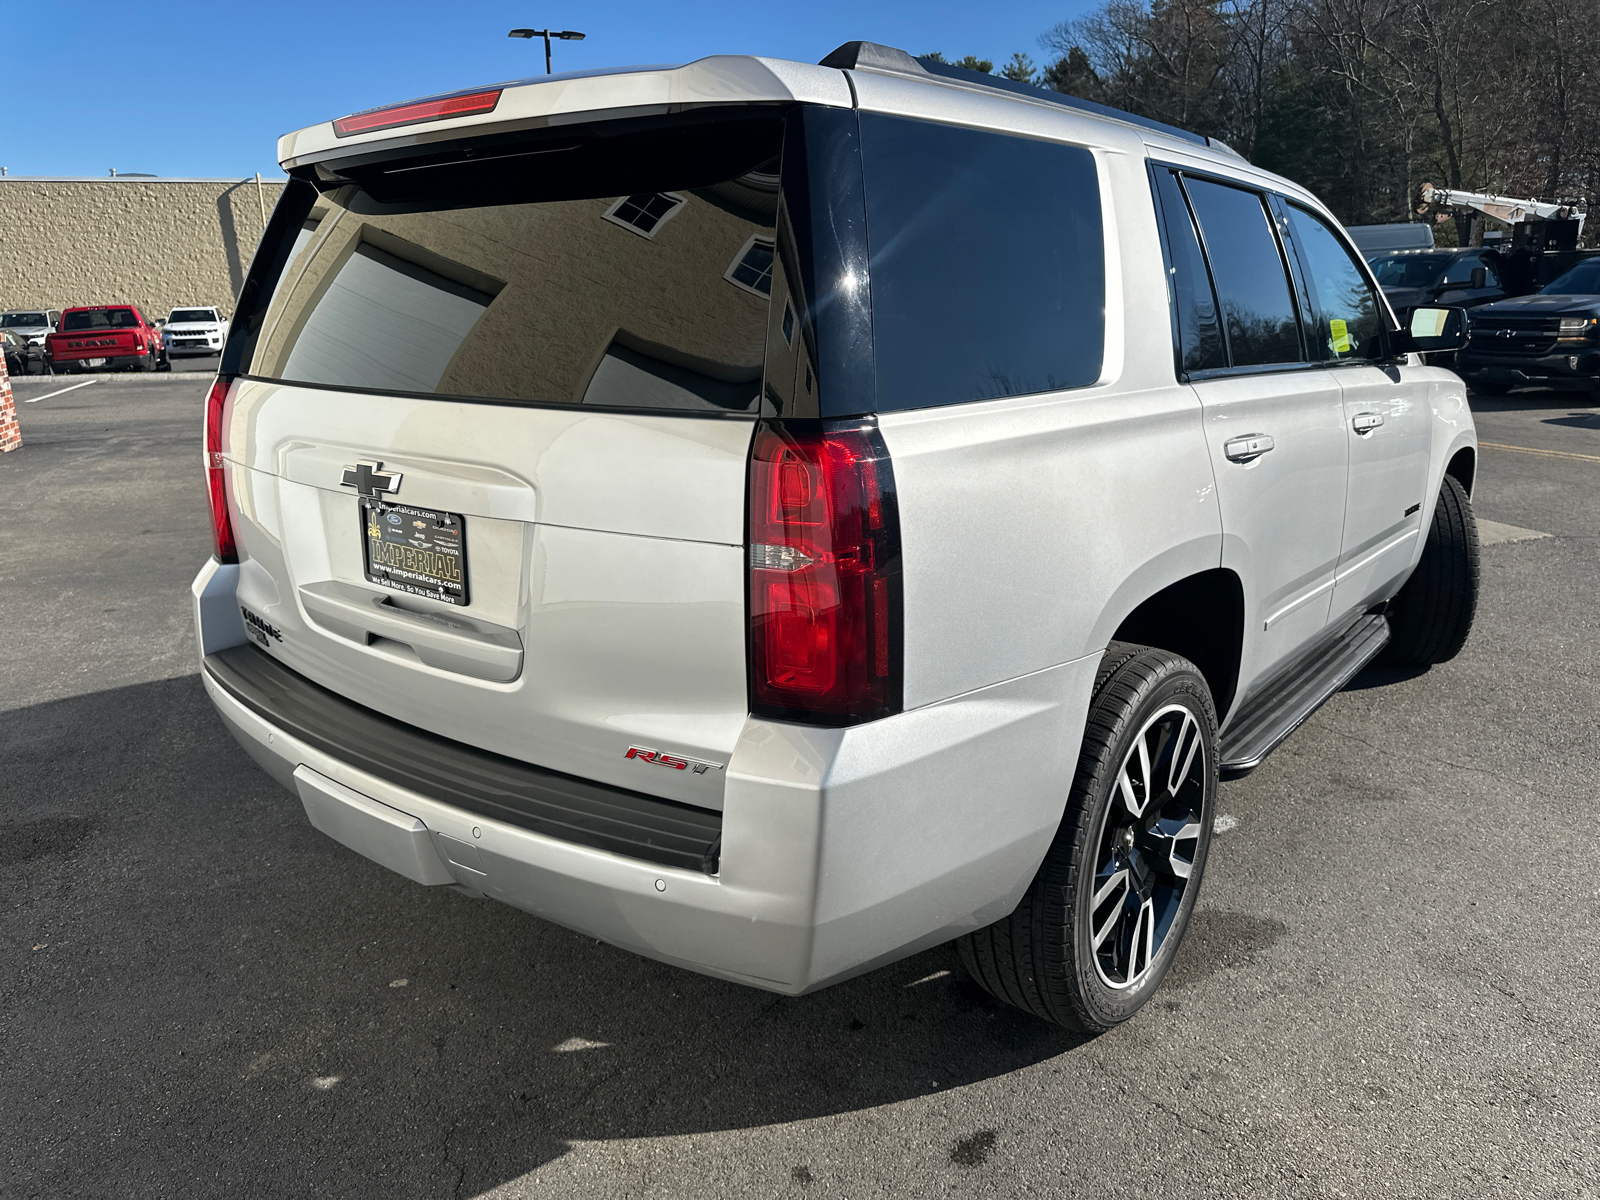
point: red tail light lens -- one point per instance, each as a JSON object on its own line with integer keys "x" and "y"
{"x": 222, "y": 544}
{"x": 824, "y": 574}
{"x": 417, "y": 112}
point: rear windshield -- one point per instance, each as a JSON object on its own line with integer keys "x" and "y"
{"x": 99, "y": 318}
{"x": 180, "y": 315}
{"x": 22, "y": 320}
{"x": 628, "y": 272}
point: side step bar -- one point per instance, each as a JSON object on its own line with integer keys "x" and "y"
{"x": 1273, "y": 713}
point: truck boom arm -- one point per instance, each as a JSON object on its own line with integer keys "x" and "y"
{"x": 1502, "y": 208}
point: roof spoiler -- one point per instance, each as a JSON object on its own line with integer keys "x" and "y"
{"x": 870, "y": 56}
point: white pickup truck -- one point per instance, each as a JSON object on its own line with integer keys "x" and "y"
{"x": 194, "y": 331}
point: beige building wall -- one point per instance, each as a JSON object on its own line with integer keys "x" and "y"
{"x": 155, "y": 243}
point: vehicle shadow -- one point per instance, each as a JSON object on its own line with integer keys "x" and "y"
{"x": 1589, "y": 420}
{"x": 1530, "y": 400}
{"x": 241, "y": 998}
{"x": 1382, "y": 675}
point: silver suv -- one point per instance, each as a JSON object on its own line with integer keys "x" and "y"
{"x": 776, "y": 518}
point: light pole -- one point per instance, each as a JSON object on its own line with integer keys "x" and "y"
{"x": 566, "y": 35}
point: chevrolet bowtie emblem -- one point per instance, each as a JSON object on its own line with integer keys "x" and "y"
{"x": 371, "y": 480}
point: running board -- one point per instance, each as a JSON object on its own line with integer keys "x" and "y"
{"x": 1271, "y": 715}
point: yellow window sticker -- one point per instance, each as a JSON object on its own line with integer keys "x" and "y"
{"x": 1341, "y": 335}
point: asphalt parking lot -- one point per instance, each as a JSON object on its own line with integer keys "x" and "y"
{"x": 1389, "y": 989}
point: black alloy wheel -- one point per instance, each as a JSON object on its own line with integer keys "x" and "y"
{"x": 1146, "y": 853}
{"x": 1100, "y": 925}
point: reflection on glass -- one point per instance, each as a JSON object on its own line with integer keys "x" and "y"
{"x": 647, "y": 298}
{"x": 987, "y": 263}
{"x": 1348, "y": 326}
{"x": 385, "y": 323}
{"x": 1249, "y": 274}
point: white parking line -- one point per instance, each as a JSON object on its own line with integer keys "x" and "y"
{"x": 62, "y": 392}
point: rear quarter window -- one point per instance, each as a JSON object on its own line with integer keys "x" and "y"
{"x": 987, "y": 263}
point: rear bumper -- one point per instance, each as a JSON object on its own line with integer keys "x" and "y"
{"x": 1579, "y": 368}
{"x": 840, "y": 849}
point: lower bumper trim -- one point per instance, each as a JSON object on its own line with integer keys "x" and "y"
{"x": 535, "y": 798}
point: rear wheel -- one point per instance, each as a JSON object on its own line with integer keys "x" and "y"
{"x": 1431, "y": 617}
{"x": 146, "y": 361}
{"x": 1098, "y": 929}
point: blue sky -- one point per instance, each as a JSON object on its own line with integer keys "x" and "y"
{"x": 215, "y": 83}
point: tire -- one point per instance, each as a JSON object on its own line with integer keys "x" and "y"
{"x": 1043, "y": 958}
{"x": 1431, "y": 617}
{"x": 146, "y": 362}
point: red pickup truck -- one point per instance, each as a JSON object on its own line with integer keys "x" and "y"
{"x": 106, "y": 335}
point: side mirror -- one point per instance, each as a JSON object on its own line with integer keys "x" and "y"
{"x": 1480, "y": 278}
{"x": 1433, "y": 331}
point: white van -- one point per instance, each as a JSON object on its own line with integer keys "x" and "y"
{"x": 778, "y": 517}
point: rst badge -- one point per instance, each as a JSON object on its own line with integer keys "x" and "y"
{"x": 675, "y": 762}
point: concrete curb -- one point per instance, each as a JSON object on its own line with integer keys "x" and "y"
{"x": 140, "y": 377}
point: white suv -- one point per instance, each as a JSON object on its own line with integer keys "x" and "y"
{"x": 777, "y": 517}
{"x": 194, "y": 331}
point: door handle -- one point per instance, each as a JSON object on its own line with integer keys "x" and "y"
{"x": 1365, "y": 422}
{"x": 1247, "y": 448}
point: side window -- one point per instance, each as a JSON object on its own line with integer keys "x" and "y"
{"x": 1348, "y": 325}
{"x": 1257, "y": 310}
{"x": 987, "y": 263}
{"x": 1460, "y": 271}
{"x": 1200, "y": 345}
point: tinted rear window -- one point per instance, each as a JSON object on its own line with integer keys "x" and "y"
{"x": 1200, "y": 345}
{"x": 987, "y": 263}
{"x": 1248, "y": 271}
{"x": 101, "y": 318}
{"x": 566, "y": 269}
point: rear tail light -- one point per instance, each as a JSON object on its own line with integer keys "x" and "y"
{"x": 416, "y": 112}
{"x": 824, "y": 578}
{"x": 222, "y": 543}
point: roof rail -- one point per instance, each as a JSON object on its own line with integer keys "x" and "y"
{"x": 873, "y": 57}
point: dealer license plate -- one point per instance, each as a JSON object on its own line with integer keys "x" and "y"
{"x": 415, "y": 550}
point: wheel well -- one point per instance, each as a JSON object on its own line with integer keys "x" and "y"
{"x": 1201, "y": 618}
{"x": 1462, "y": 467}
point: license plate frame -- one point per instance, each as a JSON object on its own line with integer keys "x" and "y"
{"x": 418, "y": 551}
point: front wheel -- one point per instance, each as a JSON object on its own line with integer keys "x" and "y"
{"x": 1098, "y": 929}
{"x": 1431, "y": 617}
